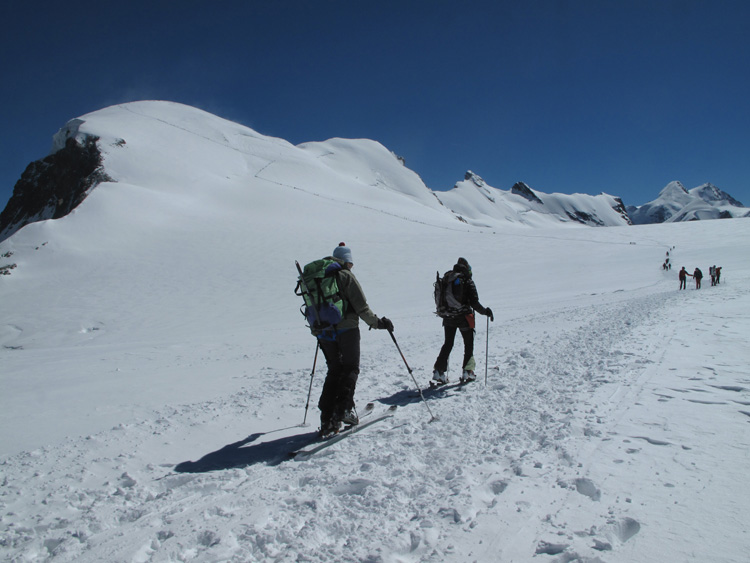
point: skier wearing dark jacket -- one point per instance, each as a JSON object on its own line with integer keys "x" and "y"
{"x": 463, "y": 321}
{"x": 698, "y": 275}
{"x": 683, "y": 278}
{"x": 341, "y": 348}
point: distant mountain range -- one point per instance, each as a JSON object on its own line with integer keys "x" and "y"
{"x": 477, "y": 203}
{"x": 177, "y": 148}
{"x": 676, "y": 204}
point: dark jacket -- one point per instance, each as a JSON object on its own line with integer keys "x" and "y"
{"x": 470, "y": 298}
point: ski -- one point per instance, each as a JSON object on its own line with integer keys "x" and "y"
{"x": 367, "y": 411}
{"x": 434, "y": 387}
{"x": 309, "y": 451}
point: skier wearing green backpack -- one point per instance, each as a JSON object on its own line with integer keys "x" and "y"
{"x": 334, "y": 303}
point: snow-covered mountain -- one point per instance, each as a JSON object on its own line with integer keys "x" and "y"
{"x": 477, "y": 203}
{"x": 677, "y": 204}
{"x": 109, "y": 146}
{"x": 155, "y": 368}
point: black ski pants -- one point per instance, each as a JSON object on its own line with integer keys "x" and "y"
{"x": 441, "y": 364}
{"x": 342, "y": 357}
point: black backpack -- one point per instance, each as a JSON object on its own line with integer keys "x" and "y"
{"x": 449, "y": 295}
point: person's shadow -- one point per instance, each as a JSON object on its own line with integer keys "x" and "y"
{"x": 274, "y": 452}
{"x": 240, "y": 454}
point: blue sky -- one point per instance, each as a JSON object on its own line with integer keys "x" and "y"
{"x": 570, "y": 96}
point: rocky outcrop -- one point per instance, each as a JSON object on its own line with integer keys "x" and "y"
{"x": 52, "y": 187}
{"x": 519, "y": 188}
{"x": 622, "y": 210}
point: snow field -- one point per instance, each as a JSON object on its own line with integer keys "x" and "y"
{"x": 155, "y": 370}
{"x": 596, "y": 437}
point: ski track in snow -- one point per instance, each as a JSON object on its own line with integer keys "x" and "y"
{"x": 435, "y": 481}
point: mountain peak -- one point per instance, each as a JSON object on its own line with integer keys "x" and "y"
{"x": 677, "y": 204}
{"x": 673, "y": 189}
{"x": 476, "y": 178}
{"x": 711, "y": 194}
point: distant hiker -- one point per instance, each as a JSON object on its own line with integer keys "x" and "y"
{"x": 712, "y": 273}
{"x": 698, "y": 275}
{"x": 457, "y": 287}
{"x": 339, "y": 339}
{"x": 718, "y": 275}
{"x": 683, "y": 278}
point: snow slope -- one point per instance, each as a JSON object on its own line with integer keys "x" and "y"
{"x": 168, "y": 139}
{"x": 155, "y": 371}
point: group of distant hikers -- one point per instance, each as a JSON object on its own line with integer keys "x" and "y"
{"x": 697, "y": 275}
{"x": 333, "y": 304}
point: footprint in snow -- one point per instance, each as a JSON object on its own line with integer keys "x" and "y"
{"x": 652, "y": 441}
{"x": 587, "y": 488}
{"x": 698, "y": 401}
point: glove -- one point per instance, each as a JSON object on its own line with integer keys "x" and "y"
{"x": 385, "y": 324}
{"x": 488, "y": 312}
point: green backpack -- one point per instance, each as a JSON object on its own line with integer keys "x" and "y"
{"x": 324, "y": 305}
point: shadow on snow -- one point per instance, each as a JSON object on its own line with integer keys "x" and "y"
{"x": 274, "y": 452}
{"x": 240, "y": 454}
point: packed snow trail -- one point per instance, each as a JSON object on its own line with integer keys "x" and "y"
{"x": 474, "y": 485}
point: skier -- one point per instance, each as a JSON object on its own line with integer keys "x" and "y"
{"x": 683, "y": 278}
{"x": 341, "y": 348}
{"x": 718, "y": 275}
{"x": 712, "y": 273}
{"x": 698, "y": 275}
{"x": 463, "y": 321}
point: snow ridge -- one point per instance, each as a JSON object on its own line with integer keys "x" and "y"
{"x": 677, "y": 204}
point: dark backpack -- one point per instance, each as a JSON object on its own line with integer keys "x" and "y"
{"x": 449, "y": 295}
{"x": 324, "y": 305}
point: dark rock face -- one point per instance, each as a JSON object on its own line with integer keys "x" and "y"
{"x": 478, "y": 181}
{"x": 585, "y": 218}
{"x": 622, "y": 210}
{"x": 52, "y": 187}
{"x": 519, "y": 188}
{"x": 711, "y": 194}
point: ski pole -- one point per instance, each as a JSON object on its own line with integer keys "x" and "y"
{"x": 432, "y": 416}
{"x": 312, "y": 374}
{"x": 486, "y": 351}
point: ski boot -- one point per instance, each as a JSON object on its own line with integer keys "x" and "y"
{"x": 439, "y": 378}
{"x": 329, "y": 428}
{"x": 350, "y": 418}
{"x": 468, "y": 376}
